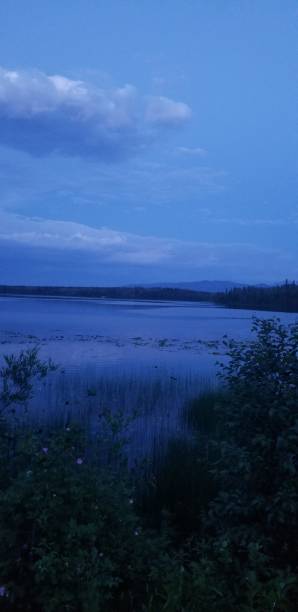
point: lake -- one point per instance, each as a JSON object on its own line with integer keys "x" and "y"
{"x": 117, "y": 334}
{"x": 147, "y": 355}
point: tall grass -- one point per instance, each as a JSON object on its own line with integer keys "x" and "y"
{"x": 154, "y": 406}
{"x": 163, "y": 423}
{"x": 178, "y": 483}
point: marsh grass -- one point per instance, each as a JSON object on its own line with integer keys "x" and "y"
{"x": 154, "y": 405}
{"x": 200, "y": 412}
{"x": 177, "y": 482}
{"x": 178, "y": 489}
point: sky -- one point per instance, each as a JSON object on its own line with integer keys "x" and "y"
{"x": 146, "y": 142}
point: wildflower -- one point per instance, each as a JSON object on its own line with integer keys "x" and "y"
{"x": 79, "y": 461}
{"x": 45, "y": 450}
{"x": 29, "y": 473}
{"x": 67, "y": 428}
{"x": 130, "y": 501}
{"x": 136, "y": 532}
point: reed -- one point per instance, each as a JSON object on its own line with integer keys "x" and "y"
{"x": 154, "y": 405}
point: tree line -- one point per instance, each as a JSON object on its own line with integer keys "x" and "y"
{"x": 282, "y": 298}
{"x": 124, "y": 293}
{"x": 279, "y": 298}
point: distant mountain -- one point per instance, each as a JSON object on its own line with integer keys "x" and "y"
{"x": 205, "y": 285}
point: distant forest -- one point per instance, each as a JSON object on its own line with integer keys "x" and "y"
{"x": 282, "y": 298}
{"x": 122, "y": 293}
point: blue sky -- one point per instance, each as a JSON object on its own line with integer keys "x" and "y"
{"x": 148, "y": 141}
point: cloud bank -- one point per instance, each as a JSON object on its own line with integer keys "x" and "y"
{"x": 44, "y": 114}
{"x": 115, "y": 247}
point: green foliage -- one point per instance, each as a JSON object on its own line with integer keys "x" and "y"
{"x": 209, "y": 580}
{"x": 69, "y": 535}
{"x": 248, "y": 437}
{"x": 258, "y": 466}
{"x": 223, "y": 501}
{"x": 18, "y": 374}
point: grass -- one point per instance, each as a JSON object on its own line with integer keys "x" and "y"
{"x": 200, "y": 414}
{"x": 178, "y": 487}
{"x": 155, "y": 406}
{"x": 177, "y": 482}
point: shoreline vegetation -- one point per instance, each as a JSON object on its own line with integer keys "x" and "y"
{"x": 279, "y": 298}
{"x": 211, "y": 524}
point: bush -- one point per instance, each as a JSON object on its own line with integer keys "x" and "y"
{"x": 258, "y": 465}
{"x": 69, "y": 535}
{"x": 71, "y": 538}
{"x": 208, "y": 579}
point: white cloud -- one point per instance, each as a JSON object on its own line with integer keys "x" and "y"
{"x": 165, "y": 112}
{"x": 116, "y": 247}
{"x": 111, "y": 245}
{"x": 43, "y": 114}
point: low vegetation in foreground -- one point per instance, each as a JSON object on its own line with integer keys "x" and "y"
{"x": 212, "y": 526}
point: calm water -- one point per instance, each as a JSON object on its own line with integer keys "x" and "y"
{"x": 117, "y": 354}
{"x": 123, "y": 335}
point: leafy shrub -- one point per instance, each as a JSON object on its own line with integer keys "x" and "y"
{"x": 17, "y": 376}
{"x": 71, "y": 538}
{"x": 258, "y": 465}
{"x": 69, "y": 535}
{"x": 207, "y": 579}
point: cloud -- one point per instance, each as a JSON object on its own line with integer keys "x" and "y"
{"x": 110, "y": 246}
{"x": 192, "y": 151}
{"x": 44, "y": 114}
{"x": 278, "y": 222}
{"x": 165, "y": 112}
